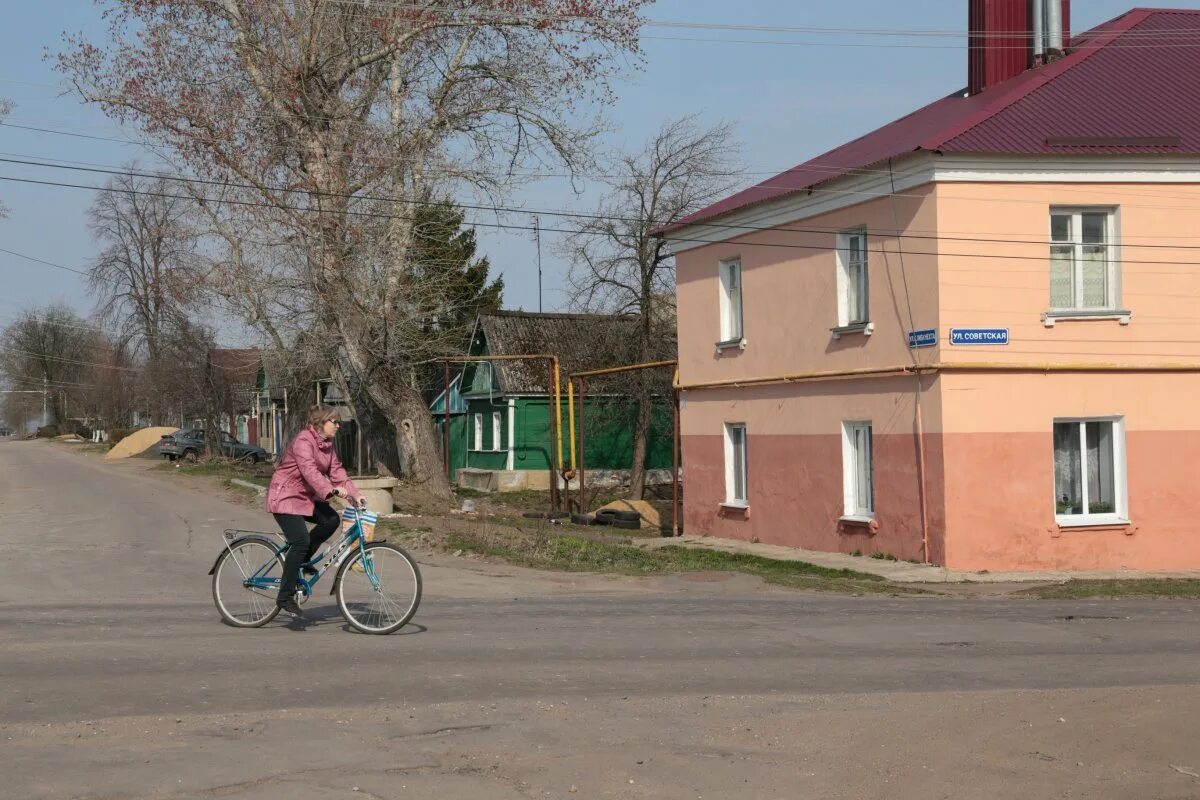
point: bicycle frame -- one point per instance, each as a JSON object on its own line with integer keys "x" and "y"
{"x": 330, "y": 556}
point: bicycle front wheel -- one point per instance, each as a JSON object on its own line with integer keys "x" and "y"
{"x": 246, "y": 582}
{"x": 379, "y": 588}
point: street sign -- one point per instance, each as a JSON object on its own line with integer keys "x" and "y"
{"x": 922, "y": 338}
{"x": 975, "y": 336}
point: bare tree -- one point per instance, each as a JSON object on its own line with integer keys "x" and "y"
{"x": 325, "y": 118}
{"x": 620, "y": 266}
{"x": 49, "y": 350}
{"x": 145, "y": 275}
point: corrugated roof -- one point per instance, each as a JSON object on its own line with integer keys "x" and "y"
{"x": 1130, "y": 85}
{"x": 581, "y": 342}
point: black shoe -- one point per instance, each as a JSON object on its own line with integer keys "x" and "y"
{"x": 308, "y": 572}
{"x": 290, "y": 606}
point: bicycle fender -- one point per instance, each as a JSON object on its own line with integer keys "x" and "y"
{"x": 264, "y": 539}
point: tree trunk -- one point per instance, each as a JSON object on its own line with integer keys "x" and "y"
{"x": 416, "y": 442}
{"x": 400, "y": 429}
{"x": 373, "y": 421}
{"x": 641, "y": 436}
{"x": 641, "y": 425}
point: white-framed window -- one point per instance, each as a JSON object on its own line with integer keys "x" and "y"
{"x": 736, "y": 491}
{"x": 496, "y": 422}
{"x": 1084, "y": 273}
{"x": 854, "y": 298}
{"x": 731, "y": 301}
{"x": 857, "y": 481}
{"x": 1089, "y": 471}
{"x": 477, "y": 442}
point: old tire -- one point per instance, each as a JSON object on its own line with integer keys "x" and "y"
{"x": 583, "y": 519}
{"x": 627, "y": 524}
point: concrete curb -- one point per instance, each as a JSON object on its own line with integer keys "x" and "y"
{"x": 248, "y": 485}
{"x": 898, "y": 571}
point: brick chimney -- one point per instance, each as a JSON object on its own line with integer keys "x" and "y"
{"x": 1001, "y": 41}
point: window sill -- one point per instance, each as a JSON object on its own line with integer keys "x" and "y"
{"x": 731, "y": 506}
{"x": 1093, "y": 522}
{"x": 732, "y": 344}
{"x": 858, "y": 524}
{"x": 1121, "y": 315}
{"x": 865, "y": 328}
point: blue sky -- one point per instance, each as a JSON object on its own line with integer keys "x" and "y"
{"x": 789, "y": 102}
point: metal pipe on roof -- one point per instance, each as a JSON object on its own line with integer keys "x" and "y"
{"x": 1039, "y": 31}
{"x": 1054, "y": 28}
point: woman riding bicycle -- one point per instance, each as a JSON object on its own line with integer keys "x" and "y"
{"x": 307, "y": 477}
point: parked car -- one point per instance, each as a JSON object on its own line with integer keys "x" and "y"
{"x": 189, "y": 443}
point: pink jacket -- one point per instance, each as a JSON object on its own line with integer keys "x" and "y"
{"x": 307, "y": 474}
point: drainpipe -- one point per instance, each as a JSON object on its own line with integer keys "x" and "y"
{"x": 675, "y": 465}
{"x": 921, "y": 481}
{"x": 512, "y": 429}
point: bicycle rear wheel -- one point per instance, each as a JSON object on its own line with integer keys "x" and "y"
{"x": 246, "y": 583}
{"x": 379, "y": 588}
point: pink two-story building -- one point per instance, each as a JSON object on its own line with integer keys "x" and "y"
{"x": 971, "y": 337}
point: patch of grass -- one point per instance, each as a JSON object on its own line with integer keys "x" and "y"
{"x": 1179, "y": 588}
{"x": 578, "y": 554}
{"x": 259, "y": 474}
{"x": 525, "y": 499}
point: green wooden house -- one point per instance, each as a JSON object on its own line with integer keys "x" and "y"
{"x": 500, "y": 411}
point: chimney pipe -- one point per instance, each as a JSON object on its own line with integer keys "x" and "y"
{"x": 1039, "y": 31}
{"x": 1054, "y": 29}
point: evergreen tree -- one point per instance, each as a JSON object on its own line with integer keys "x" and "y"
{"x": 444, "y": 254}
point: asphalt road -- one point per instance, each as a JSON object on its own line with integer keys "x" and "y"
{"x": 117, "y": 678}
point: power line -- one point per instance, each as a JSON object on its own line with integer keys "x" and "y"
{"x": 43, "y": 261}
{"x": 835, "y": 171}
{"x": 64, "y": 360}
{"x": 557, "y": 213}
{"x": 570, "y": 231}
{"x": 483, "y": 16}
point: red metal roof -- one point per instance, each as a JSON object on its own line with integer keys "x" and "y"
{"x": 1131, "y": 85}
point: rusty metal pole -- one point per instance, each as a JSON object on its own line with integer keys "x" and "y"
{"x": 552, "y": 429}
{"x": 446, "y": 424}
{"x": 675, "y": 466}
{"x": 582, "y": 439}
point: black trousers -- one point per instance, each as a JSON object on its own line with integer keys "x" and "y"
{"x": 304, "y": 545}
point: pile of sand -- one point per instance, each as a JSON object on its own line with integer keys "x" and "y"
{"x": 138, "y": 442}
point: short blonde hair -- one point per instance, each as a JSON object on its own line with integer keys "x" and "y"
{"x": 318, "y": 415}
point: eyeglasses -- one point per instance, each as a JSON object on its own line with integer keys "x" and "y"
{"x": 336, "y": 422}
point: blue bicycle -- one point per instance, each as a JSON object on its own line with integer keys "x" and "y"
{"x": 377, "y": 584}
